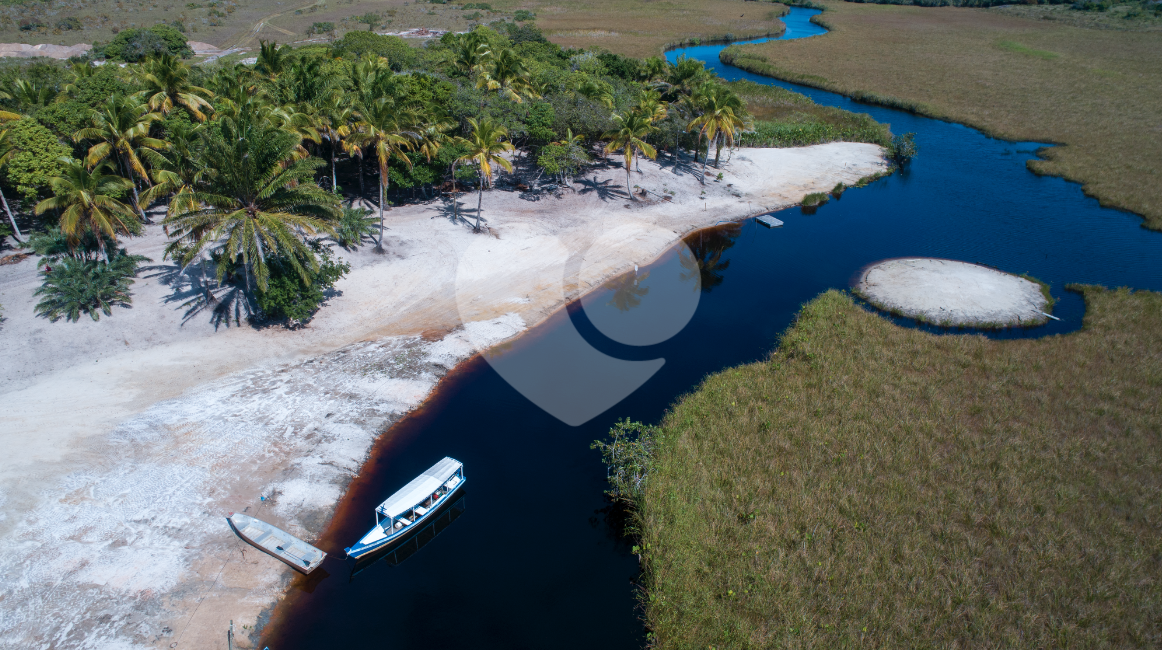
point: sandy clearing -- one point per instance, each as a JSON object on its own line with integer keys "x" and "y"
{"x": 947, "y": 292}
{"x": 129, "y": 439}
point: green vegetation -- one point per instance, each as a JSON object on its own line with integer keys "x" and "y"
{"x": 1092, "y": 90}
{"x": 78, "y": 286}
{"x": 783, "y": 118}
{"x": 138, "y": 44}
{"x": 1013, "y": 46}
{"x": 237, "y": 153}
{"x": 875, "y": 486}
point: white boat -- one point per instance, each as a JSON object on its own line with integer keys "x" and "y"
{"x": 277, "y": 542}
{"x": 405, "y": 510}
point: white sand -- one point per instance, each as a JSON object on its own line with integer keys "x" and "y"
{"x": 127, "y": 440}
{"x": 948, "y": 292}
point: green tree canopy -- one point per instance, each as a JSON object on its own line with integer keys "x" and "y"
{"x": 35, "y": 159}
{"x": 138, "y": 44}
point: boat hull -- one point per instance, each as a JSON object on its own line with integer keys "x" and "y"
{"x": 277, "y": 543}
{"x": 362, "y": 550}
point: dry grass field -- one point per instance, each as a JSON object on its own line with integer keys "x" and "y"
{"x": 873, "y": 486}
{"x": 642, "y": 28}
{"x": 627, "y": 27}
{"x": 1095, "y": 91}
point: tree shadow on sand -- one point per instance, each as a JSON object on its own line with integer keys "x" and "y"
{"x": 605, "y": 190}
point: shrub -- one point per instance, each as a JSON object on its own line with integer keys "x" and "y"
{"x": 627, "y": 457}
{"x": 71, "y": 23}
{"x": 522, "y": 15}
{"x": 321, "y": 28}
{"x": 903, "y": 148}
{"x": 288, "y": 296}
{"x": 133, "y": 45}
{"x": 76, "y": 286}
{"x": 398, "y": 53}
{"x": 36, "y": 158}
{"x": 354, "y": 225}
{"x": 815, "y": 199}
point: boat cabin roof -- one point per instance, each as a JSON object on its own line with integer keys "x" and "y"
{"x": 420, "y": 488}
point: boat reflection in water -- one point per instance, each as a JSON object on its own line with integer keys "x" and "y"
{"x": 410, "y": 543}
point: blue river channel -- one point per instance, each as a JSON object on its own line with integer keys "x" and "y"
{"x": 532, "y": 557}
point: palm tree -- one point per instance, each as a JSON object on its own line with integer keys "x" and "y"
{"x": 167, "y": 82}
{"x": 629, "y": 137}
{"x": 506, "y": 74}
{"x": 179, "y": 172}
{"x": 336, "y": 118}
{"x": 122, "y": 127}
{"x": 29, "y": 93}
{"x": 383, "y": 127}
{"x": 87, "y": 198}
{"x": 471, "y": 53}
{"x": 594, "y": 90}
{"x": 485, "y": 144}
{"x": 6, "y": 153}
{"x": 723, "y": 116}
{"x": 258, "y": 197}
{"x": 272, "y": 59}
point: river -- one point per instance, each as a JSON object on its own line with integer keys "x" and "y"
{"x": 534, "y": 558}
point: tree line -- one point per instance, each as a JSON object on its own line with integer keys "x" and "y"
{"x": 246, "y": 159}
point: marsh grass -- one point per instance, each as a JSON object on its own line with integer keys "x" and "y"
{"x": 1098, "y": 94}
{"x": 642, "y": 29}
{"x": 875, "y": 486}
{"x": 788, "y": 119}
{"x": 1013, "y": 46}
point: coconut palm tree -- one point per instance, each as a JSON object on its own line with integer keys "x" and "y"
{"x": 29, "y": 93}
{"x": 507, "y": 75}
{"x": 167, "y": 82}
{"x": 629, "y": 138}
{"x": 87, "y": 198}
{"x": 121, "y": 127}
{"x": 471, "y": 53}
{"x": 6, "y": 153}
{"x": 385, "y": 129}
{"x": 485, "y": 144}
{"x": 179, "y": 172}
{"x": 257, "y": 198}
{"x": 272, "y": 59}
{"x": 594, "y": 90}
{"x": 723, "y": 116}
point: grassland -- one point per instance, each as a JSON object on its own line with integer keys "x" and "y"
{"x": 1094, "y": 91}
{"x": 624, "y": 26}
{"x": 881, "y": 487}
{"x": 788, "y": 119}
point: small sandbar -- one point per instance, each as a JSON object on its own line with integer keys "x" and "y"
{"x": 947, "y": 292}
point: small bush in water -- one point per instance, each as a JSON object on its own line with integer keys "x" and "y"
{"x": 815, "y": 198}
{"x": 903, "y": 148}
{"x": 76, "y": 286}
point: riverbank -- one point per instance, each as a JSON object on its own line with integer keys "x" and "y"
{"x": 130, "y": 438}
{"x": 1090, "y": 91}
{"x": 880, "y": 486}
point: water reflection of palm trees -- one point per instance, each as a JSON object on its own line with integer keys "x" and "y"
{"x": 627, "y": 291}
{"x": 705, "y": 254}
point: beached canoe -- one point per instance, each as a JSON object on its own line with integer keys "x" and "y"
{"x": 277, "y": 542}
{"x": 409, "y": 507}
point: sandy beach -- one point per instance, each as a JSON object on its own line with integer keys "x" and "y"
{"x": 128, "y": 440}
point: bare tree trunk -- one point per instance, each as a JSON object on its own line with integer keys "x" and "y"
{"x": 717, "y": 149}
{"x": 362, "y": 192}
{"x": 334, "y": 179}
{"x": 11, "y": 219}
{"x": 479, "y": 203}
{"x": 379, "y": 244}
{"x": 627, "y": 187}
{"x": 136, "y": 200}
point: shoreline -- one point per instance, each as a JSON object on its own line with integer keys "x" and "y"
{"x": 135, "y": 554}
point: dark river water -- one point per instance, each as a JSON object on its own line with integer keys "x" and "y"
{"x": 531, "y": 557}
